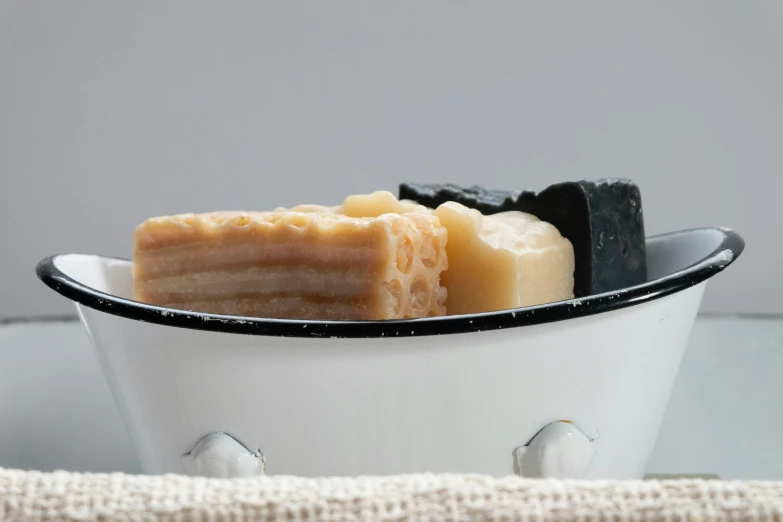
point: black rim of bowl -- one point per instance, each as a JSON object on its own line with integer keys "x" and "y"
{"x": 730, "y": 248}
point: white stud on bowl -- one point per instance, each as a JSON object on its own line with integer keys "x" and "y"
{"x": 560, "y": 451}
{"x": 219, "y": 455}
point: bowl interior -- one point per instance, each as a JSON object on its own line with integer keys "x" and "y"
{"x": 670, "y": 253}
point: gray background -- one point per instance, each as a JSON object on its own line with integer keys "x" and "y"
{"x": 114, "y": 111}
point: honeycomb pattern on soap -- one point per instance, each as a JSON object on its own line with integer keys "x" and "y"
{"x": 420, "y": 258}
{"x": 293, "y": 264}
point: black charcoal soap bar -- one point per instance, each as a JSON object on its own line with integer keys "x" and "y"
{"x": 602, "y": 219}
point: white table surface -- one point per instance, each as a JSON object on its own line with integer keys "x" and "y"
{"x": 725, "y": 416}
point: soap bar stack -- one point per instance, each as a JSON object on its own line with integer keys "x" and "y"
{"x": 602, "y": 219}
{"x": 294, "y": 265}
{"x": 438, "y": 249}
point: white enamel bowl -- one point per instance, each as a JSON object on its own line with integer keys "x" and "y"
{"x": 454, "y": 394}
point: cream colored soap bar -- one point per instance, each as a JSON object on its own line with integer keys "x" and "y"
{"x": 379, "y": 203}
{"x": 365, "y": 205}
{"x": 502, "y": 261}
{"x": 311, "y": 209}
{"x": 293, "y": 265}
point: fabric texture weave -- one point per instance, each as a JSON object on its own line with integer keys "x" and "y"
{"x": 63, "y": 496}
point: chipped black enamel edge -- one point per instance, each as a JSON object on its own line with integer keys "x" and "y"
{"x": 729, "y": 249}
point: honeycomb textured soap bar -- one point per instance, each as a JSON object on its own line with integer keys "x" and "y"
{"x": 508, "y": 260}
{"x": 603, "y": 220}
{"x": 294, "y": 265}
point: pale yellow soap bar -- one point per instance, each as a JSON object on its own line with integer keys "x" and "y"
{"x": 379, "y": 203}
{"x": 365, "y": 206}
{"x": 503, "y": 261}
{"x": 293, "y": 265}
{"x": 311, "y": 209}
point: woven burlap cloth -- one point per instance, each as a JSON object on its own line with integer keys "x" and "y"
{"x": 105, "y": 497}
